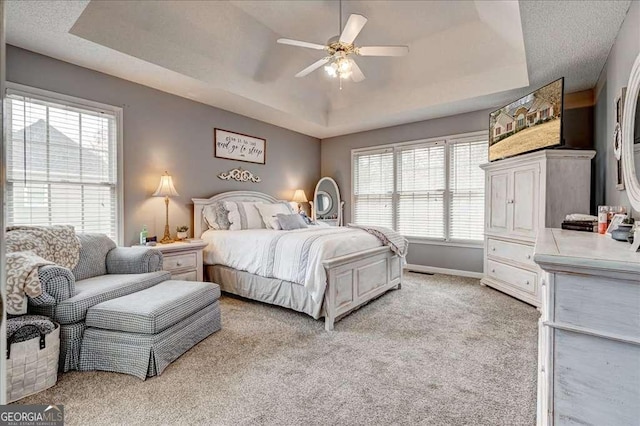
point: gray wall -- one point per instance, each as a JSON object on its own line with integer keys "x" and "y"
{"x": 615, "y": 76}
{"x": 167, "y": 132}
{"x": 336, "y": 162}
{"x": 602, "y": 141}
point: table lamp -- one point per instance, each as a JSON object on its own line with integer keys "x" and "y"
{"x": 166, "y": 190}
{"x": 299, "y": 197}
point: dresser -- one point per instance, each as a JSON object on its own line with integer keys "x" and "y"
{"x": 183, "y": 260}
{"x": 522, "y": 195}
{"x": 589, "y": 341}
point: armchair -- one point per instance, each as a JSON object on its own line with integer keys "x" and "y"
{"x": 103, "y": 272}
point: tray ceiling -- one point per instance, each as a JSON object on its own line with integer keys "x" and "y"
{"x": 463, "y": 56}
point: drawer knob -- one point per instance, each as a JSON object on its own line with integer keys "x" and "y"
{"x": 528, "y": 256}
{"x": 493, "y": 249}
{"x": 179, "y": 263}
{"x": 527, "y": 282}
{"x": 493, "y": 270}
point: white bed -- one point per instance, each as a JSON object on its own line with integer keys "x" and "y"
{"x": 321, "y": 271}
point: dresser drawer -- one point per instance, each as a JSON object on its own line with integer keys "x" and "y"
{"x": 176, "y": 262}
{"x": 520, "y": 278}
{"x": 601, "y": 305}
{"x": 185, "y": 276}
{"x": 515, "y": 252}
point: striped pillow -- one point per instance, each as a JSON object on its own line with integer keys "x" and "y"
{"x": 243, "y": 215}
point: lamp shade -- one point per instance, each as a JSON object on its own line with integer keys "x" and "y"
{"x": 299, "y": 196}
{"x": 166, "y": 188}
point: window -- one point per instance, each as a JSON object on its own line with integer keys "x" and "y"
{"x": 497, "y": 131}
{"x": 544, "y": 113}
{"x": 373, "y": 188}
{"x": 421, "y": 186}
{"x": 62, "y": 162}
{"x": 509, "y": 127}
{"x": 466, "y": 185}
{"x": 435, "y": 191}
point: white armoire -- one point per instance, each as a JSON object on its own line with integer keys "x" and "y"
{"x": 524, "y": 194}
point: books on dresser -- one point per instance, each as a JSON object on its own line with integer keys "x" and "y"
{"x": 580, "y": 225}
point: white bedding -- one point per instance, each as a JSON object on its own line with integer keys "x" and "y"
{"x": 294, "y": 256}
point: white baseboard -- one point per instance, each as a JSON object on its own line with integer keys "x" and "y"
{"x": 445, "y": 271}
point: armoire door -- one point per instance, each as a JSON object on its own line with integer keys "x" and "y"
{"x": 498, "y": 213}
{"x": 524, "y": 201}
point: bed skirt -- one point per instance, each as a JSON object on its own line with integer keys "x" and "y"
{"x": 269, "y": 290}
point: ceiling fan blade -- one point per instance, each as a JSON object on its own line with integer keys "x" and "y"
{"x": 299, "y": 43}
{"x": 356, "y": 73}
{"x": 382, "y": 50}
{"x": 352, "y": 28}
{"x": 313, "y": 67}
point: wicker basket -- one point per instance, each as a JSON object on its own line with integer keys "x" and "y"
{"x": 32, "y": 365}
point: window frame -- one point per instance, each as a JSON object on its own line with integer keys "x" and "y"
{"x": 447, "y": 141}
{"x": 54, "y": 97}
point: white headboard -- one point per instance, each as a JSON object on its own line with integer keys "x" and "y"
{"x": 199, "y": 225}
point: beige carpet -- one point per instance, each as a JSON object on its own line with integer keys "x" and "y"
{"x": 441, "y": 351}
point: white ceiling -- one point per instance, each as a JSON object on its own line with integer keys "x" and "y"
{"x": 464, "y": 55}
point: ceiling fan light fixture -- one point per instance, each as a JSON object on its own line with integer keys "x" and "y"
{"x": 331, "y": 69}
{"x": 344, "y": 65}
{"x": 340, "y": 67}
{"x": 338, "y": 64}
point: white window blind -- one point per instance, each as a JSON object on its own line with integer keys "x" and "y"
{"x": 373, "y": 188}
{"x": 61, "y": 165}
{"x": 435, "y": 191}
{"x": 466, "y": 185}
{"x": 421, "y": 190}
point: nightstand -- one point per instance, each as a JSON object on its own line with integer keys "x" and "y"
{"x": 183, "y": 260}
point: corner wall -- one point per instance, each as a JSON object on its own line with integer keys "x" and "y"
{"x": 167, "y": 132}
{"x": 614, "y": 77}
{"x": 336, "y": 163}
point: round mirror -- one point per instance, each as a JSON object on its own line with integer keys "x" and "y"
{"x": 323, "y": 203}
{"x": 631, "y": 136}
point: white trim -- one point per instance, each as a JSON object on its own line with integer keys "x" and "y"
{"x": 452, "y": 243}
{"x": 443, "y": 271}
{"x": 460, "y": 137}
{"x": 3, "y": 179}
{"x": 120, "y": 173}
{"x": 72, "y": 101}
{"x": 47, "y": 95}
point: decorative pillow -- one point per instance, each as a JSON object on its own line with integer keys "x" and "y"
{"x": 269, "y": 212}
{"x": 289, "y": 222}
{"x": 243, "y": 215}
{"x": 216, "y": 216}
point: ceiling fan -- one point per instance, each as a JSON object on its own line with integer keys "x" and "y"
{"x": 338, "y": 63}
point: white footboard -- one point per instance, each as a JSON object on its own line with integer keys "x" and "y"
{"x": 355, "y": 279}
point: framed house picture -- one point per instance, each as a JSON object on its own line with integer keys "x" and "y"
{"x": 239, "y": 147}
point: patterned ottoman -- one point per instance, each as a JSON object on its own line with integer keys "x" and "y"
{"x": 142, "y": 333}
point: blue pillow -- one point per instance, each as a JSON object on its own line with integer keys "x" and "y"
{"x": 289, "y": 222}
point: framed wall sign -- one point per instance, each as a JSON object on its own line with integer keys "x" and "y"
{"x": 239, "y": 147}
